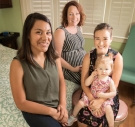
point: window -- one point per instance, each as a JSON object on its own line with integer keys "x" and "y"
{"x": 94, "y": 10}
{"x": 120, "y": 14}
{"x": 51, "y": 8}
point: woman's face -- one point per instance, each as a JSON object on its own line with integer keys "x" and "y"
{"x": 73, "y": 16}
{"x": 102, "y": 41}
{"x": 40, "y": 36}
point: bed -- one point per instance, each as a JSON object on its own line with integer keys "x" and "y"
{"x": 10, "y": 115}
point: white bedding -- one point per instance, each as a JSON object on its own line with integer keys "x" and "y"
{"x": 10, "y": 116}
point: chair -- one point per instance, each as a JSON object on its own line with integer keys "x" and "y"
{"x": 128, "y": 74}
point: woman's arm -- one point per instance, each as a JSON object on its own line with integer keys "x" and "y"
{"x": 62, "y": 94}
{"x": 62, "y": 85}
{"x": 18, "y": 92}
{"x": 117, "y": 71}
{"x": 59, "y": 37}
{"x": 85, "y": 74}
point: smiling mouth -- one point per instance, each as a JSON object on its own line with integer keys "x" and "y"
{"x": 74, "y": 21}
{"x": 44, "y": 44}
{"x": 100, "y": 47}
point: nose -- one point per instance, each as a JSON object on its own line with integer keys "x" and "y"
{"x": 101, "y": 42}
{"x": 104, "y": 71}
{"x": 44, "y": 36}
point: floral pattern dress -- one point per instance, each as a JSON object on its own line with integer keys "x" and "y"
{"x": 85, "y": 116}
{"x": 98, "y": 86}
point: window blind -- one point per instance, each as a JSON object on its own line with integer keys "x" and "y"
{"x": 120, "y": 16}
{"x": 44, "y": 7}
{"x": 94, "y": 10}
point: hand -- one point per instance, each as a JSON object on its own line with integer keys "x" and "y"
{"x": 63, "y": 114}
{"x": 55, "y": 114}
{"x": 94, "y": 73}
{"x": 98, "y": 112}
{"x": 77, "y": 68}
{"x": 95, "y": 104}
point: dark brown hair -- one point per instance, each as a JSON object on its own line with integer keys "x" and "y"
{"x": 25, "y": 52}
{"x": 64, "y": 21}
{"x": 102, "y": 26}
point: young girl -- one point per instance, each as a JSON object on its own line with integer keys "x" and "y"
{"x": 101, "y": 86}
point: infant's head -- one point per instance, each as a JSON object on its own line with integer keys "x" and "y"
{"x": 104, "y": 64}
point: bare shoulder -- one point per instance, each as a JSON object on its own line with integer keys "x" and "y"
{"x": 16, "y": 73}
{"x": 119, "y": 56}
{"x": 118, "y": 60}
{"x": 16, "y": 68}
{"x": 86, "y": 61}
{"x": 87, "y": 56}
{"x": 15, "y": 64}
{"x": 59, "y": 37}
{"x": 59, "y": 32}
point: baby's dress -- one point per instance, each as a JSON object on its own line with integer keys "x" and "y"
{"x": 98, "y": 86}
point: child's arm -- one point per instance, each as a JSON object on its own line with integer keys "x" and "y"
{"x": 90, "y": 79}
{"x": 110, "y": 94}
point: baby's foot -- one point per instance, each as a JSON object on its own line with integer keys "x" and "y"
{"x": 71, "y": 120}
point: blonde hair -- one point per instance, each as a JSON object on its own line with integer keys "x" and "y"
{"x": 106, "y": 59}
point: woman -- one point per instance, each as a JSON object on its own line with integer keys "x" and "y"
{"x": 69, "y": 43}
{"x": 102, "y": 42}
{"x": 36, "y": 77}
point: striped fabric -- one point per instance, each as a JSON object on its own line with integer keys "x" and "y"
{"x": 73, "y": 53}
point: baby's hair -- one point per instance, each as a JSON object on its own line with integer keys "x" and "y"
{"x": 105, "y": 59}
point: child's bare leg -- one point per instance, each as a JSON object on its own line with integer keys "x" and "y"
{"x": 77, "y": 107}
{"x": 109, "y": 115}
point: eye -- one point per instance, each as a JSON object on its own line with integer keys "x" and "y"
{"x": 77, "y": 13}
{"x": 49, "y": 33}
{"x": 100, "y": 68}
{"x": 105, "y": 38}
{"x": 70, "y": 14}
{"x": 39, "y": 32}
{"x": 96, "y": 38}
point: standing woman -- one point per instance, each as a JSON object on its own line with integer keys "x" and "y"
{"x": 36, "y": 77}
{"x": 102, "y": 42}
{"x": 69, "y": 43}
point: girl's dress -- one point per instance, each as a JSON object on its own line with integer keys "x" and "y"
{"x": 98, "y": 86}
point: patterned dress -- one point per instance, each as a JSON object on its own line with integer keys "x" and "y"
{"x": 85, "y": 116}
{"x": 73, "y": 52}
{"x": 98, "y": 86}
